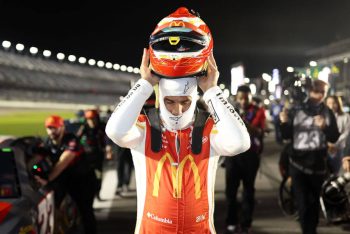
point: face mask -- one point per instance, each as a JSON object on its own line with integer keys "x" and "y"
{"x": 177, "y": 87}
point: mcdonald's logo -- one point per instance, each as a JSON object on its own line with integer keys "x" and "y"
{"x": 177, "y": 24}
{"x": 176, "y": 174}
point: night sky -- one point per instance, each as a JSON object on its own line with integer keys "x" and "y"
{"x": 261, "y": 34}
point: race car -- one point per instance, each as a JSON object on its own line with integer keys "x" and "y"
{"x": 25, "y": 206}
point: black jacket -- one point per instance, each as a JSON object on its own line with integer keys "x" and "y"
{"x": 310, "y": 142}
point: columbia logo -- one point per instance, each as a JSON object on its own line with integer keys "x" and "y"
{"x": 200, "y": 218}
{"x": 156, "y": 218}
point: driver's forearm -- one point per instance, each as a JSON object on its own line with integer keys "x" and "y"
{"x": 232, "y": 136}
{"x": 121, "y": 127}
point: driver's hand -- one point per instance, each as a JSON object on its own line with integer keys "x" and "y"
{"x": 211, "y": 79}
{"x": 145, "y": 69}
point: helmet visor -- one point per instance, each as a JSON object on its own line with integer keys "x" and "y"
{"x": 178, "y": 41}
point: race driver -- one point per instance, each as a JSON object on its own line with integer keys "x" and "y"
{"x": 175, "y": 187}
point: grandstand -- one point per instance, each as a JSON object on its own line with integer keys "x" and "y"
{"x": 29, "y": 78}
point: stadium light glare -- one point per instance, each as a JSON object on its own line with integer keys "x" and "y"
{"x": 136, "y": 70}
{"x": 60, "y": 56}
{"x": 92, "y": 62}
{"x": 72, "y": 58}
{"x": 313, "y": 63}
{"x": 33, "y": 50}
{"x": 82, "y": 60}
{"x": 290, "y": 69}
{"x": 6, "y": 44}
{"x": 266, "y": 77}
{"x": 116, "y": 66}
{"x": 123, "y": 68}
{"x": 100, "y": 63}
{"x": 252, "y": 88}
{"x": 130, "y": 69}
{"x": 19, "y": 47}
{"x": 47, "y": 53}
{"x": 109, "y": 65}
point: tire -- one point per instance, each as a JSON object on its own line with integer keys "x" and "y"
{"x": 286, "y": 199}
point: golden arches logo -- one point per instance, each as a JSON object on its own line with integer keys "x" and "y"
{"x": 176, "y": 176}
{"x": 177, "y": 24}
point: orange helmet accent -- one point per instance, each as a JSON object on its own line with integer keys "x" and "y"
{"x": 180, "y": 45}
{"x": 54, "y": 121}
{"x": 90, "y": 114}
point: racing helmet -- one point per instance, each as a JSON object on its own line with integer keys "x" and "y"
{"x": 180, "y": 45}
{"x": 334, "y": 199}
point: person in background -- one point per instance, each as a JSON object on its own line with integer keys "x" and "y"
{"x": 257, "y": 102}
{"x": 124, "y": 157}
{"x": 79, "y": 116}
{"x": 70, "y": 172}
{"x": 96, "y": 144}
{"x": 346, "y": 157}
{"x": 335, "y": 151}
{"x": 104, "y": 115}
{"x": 124, "y": 170}
{"x": 244, "y": 166}
{"x": 275, "y": 109}
{"x": 310, "y": 127}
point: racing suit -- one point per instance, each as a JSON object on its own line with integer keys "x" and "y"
{"x": 175, "y": 187}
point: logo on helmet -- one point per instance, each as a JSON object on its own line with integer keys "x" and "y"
{"x": 177, "y": 24}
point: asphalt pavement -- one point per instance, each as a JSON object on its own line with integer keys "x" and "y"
{"x": 118, "y": 214}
